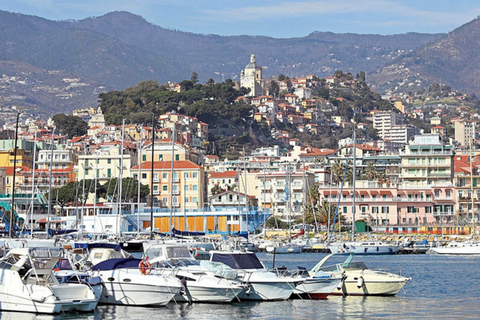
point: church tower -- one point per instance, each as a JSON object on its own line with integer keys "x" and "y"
{"x": 251, "y": 77}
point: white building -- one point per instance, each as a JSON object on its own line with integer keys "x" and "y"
{"x": 251, "y": 78}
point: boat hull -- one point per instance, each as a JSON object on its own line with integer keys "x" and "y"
{"x": 314, "y": 288}
{"x": 122, "y": 287}
{"x": 373, "y": 285}
{"x": 208, "y": 294}
{"x": 359, "y": 249}
{"x": 473, "y": 250}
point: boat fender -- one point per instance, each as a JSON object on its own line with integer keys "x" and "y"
{"x": 360, "y": 282}
{"x": 341, "y": 283}
{"x": 144, "y": 266}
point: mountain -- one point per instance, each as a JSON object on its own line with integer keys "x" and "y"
{"x": 120, "y": 49}
{"x": 453, "y": 60}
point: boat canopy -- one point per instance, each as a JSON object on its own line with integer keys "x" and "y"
{"x": 117, "y": 263}
{"x": 238, "y": 260}
{"x": 46, "y": 252}
{"x": 94, "y": 245}
{"x": 188, "y": 233}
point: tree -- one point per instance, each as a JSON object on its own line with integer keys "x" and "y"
{"x": 216, "y": 190}
{"x": 70, "y": 125}
{"x": 194, "y": 77}
{"x": 129, "y": 189}
{"x": 274, "y": 222}
{"x": 274, "y": 88}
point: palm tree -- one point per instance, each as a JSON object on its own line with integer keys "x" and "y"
{"x": 371, "y": 172}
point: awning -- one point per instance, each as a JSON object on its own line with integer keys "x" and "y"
{"x": 44, "y": 220}
{"x": 385, "y": 192}
{"x": 326, "y": 193}
{"x": 363, "y": 193}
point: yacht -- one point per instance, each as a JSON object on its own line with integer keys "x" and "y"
{"x": 361, "y": 281}
{"x": 263, "y": 284}
{"x": 200, "y": 284}
{"x": 363, "y": 247}
{"x": 317, "y": 285}
{"x": 125, "y": 281}
{"x": 458, "y": 248}
{"x": 29, "y": 284}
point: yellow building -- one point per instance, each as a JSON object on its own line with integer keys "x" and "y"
{"x": 182, "y": 191}
{"x": 24, "y": 158}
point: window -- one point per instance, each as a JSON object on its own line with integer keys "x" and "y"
{"x": 194, "y": 187}
{"x": 86, "y": 171}
{"x": 109, "y": 173}
{"x": 385, "y": 209}
{"x": 164, "y": 175}
{"x": 144, "y": 176}
{"x": 194, "y": 199}
{"x": 374, "y": 209}
{"x": 185, "y": 187}
{"x": 437, "y": 193}
{"x": 144, "y": 157}
{"x": 448, "y": 194}
{"x": 177, "y": 157}
{"x": 186, "y": 199}
{"x": 185, "y": 175}
{"x": 194, "y": 174}
{"x": 160, "y": 157}
{"x": 109, "y": 161}
{"x": 165, "y": 188}
{"x": 345, "y": 209}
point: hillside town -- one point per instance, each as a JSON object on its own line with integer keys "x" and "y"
{"x": 406, "y": 178}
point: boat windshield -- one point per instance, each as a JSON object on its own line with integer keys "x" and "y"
{"x": 170, "y": 252}
{"x": 238, "y": 260}
{"x": 183, "y": 262}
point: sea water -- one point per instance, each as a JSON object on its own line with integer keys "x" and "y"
{"x": 442, "y": 287}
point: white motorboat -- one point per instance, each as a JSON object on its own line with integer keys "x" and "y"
{"x": 284, "y": 248}
{"x": 458, "y": 248}
{"x": 263, "y": 284}
{"x": 200, "y": 284}
{"x": 361, "y": 281}
{"x": 363, "y": 247}
{"x": 29, "y": 284}
{"x": 124, "y": 282}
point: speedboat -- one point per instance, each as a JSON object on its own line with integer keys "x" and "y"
{"x": 127, "y": 280}
{"x": 29, "y": 284}
{"x": 284, "y": 248}
{"x": 458, "y": 248}
{"x": 361, "y": 281}
{"x": 363, "y": 247}
{"x": 263, "y": 284}
{"x": 200, "y": 284}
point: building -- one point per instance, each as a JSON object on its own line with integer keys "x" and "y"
{"x": 464, "y": 132}
{"x": 251, "y": 78}
{"x": 179, "y": 187}
{"x": 426, "y": 162}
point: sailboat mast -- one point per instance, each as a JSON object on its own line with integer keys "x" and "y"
{"x": 50, "y": 184}
{"x": 33, "y": 183}
{"x": 139, "y": 179}
{"x": 13, "y": 180}
{"x": 353, "y": 180}
{"x": 151, "y": 177}
{"x": 471, "y": 187}
{"x": 171, "y": 177}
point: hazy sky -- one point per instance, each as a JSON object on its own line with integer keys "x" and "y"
{"x": 280, "y": 19}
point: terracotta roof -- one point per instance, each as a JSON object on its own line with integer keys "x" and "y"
{"x": 221, "y": 175}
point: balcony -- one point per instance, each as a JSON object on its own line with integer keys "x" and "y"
{"x": 176, "y": 192}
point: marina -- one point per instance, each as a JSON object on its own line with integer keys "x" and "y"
{"x": 433, "y": 292}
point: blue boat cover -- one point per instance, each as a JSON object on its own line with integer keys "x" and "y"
{"x": 53, "y": 232}
{"x": 93, "y": 245}
{"x": 187, "y": 233}
{"x": 238, "y": 260}
{"x": 117, "y": 263}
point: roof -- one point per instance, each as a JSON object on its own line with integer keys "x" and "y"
{"x": 223, "y": 175}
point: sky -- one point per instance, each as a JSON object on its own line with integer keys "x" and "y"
{"x": 279, "y": 19}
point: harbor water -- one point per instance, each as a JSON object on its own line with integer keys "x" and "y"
{"x": 442, "y": 287}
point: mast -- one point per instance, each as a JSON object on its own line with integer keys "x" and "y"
{"x": 83, "y": 188}
{"x": 471, "y": 187}
{"x": 151, "y": 176}
{"x": 120, "y": 180}
{"x": 305, "y": 199}
{"x": 139, "y": 179}
{"x": 264, "y": 207}
{"x": 13, "y": 180}
{"x": 50, "y": 184}
{"x": 171, "y": 177}
{"x": 245, "y": 187}
{"x": 287, "y": 178}
{"x": 33, "y": 183}
{"x": 354, "y": 171}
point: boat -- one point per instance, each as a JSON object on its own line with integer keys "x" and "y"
{"x": 200, "y": 284}
{"x": 284, "y": 248}
{"x": 359, "y": 280}
{"x": 127, "y": 280}
{"x": 458, "y": 248}
{"x": 29, "y": 284}
{"x": 263, "y": 284}
{"x": 317, "y": 285}
{"x": 363, "y": 247}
